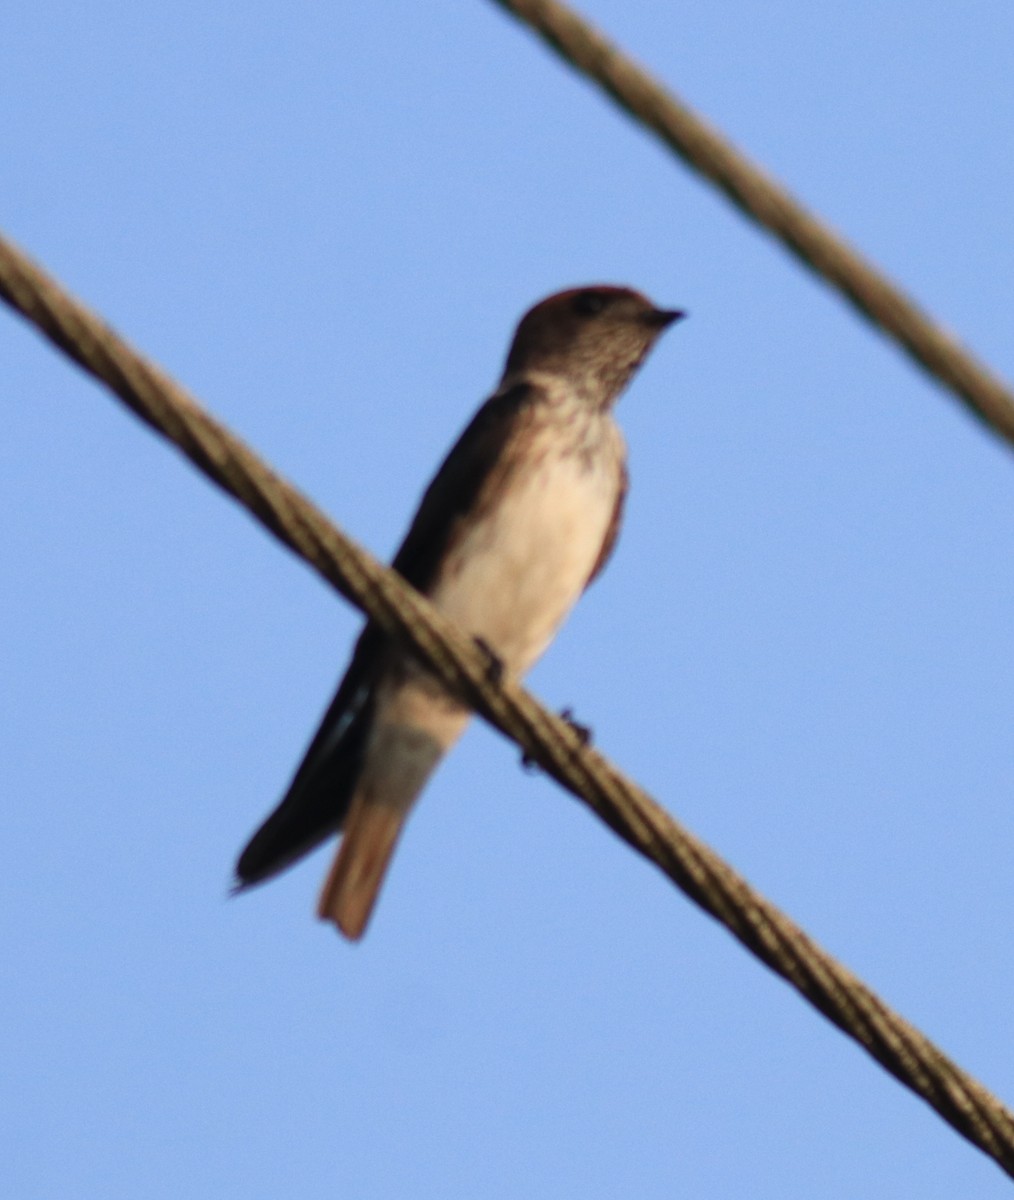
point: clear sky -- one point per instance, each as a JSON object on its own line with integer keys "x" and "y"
{"x": 325, "y": 220}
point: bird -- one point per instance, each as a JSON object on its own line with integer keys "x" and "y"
{"x": 521, "y": 516}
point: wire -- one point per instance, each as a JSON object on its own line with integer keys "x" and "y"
{"x": 763, "y": 200}
{"x": 545, "y": 738}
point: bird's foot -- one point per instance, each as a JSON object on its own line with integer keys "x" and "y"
{"x": 584, "y": 734}
{"x": 494, "y": 663}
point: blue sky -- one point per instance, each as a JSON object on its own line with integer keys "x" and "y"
{"x": 325, "y": 220}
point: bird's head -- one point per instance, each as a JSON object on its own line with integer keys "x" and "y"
{"x": 593, "y": 338}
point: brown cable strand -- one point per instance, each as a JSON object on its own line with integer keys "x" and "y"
{"x": 771, "y": 206}
{"x": 547, "y": 739}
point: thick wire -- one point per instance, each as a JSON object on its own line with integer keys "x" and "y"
{"x": 763, "y": 200}
{"x": 545, "y": 738}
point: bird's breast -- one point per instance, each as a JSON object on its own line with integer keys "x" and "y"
{"x": 521, "y": 562}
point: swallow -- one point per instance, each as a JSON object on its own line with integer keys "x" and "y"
{"x": 522, "y": 515}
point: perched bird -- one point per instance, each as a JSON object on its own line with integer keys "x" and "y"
{"x": 520, "y": 518}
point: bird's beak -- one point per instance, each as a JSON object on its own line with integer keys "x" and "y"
{"x": 662, "y": 318}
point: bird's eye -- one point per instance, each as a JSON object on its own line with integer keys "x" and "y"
{"x": 589, "y": 304}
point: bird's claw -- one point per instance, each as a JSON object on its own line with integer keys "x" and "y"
{"x": 584, "y": 732}
{"x": 494, "y": 663}
{"x": 584, "y": 735}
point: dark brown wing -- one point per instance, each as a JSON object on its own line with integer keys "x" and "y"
{"x": 314, "y": 807}
{"x": 469, "y": 473}
{"x": 318, "y": 796}
{"x": 613, "y": 532}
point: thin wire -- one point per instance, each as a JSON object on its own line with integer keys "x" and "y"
{"x": 757, "y": 195}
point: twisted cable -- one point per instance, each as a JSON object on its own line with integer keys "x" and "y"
{"x": 763, "y": 200}
{"x": 545, "y": 738}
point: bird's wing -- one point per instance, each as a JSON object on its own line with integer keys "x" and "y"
{"x": 315, "y": 804}
{"x": 471, "y": 473}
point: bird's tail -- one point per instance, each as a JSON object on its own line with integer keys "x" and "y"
{"x": 353, "y": 883}
{"x": 400, "y": 760}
